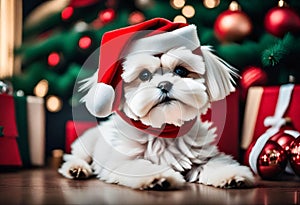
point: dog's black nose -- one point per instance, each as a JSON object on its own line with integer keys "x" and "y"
{"x": 165, "y": 86}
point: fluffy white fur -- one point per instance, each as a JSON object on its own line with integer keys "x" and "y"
{"x": 117, "y": 152}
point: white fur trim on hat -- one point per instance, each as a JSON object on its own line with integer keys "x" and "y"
{"x": 99, "y": 100}
{"x": 160, "y": 43}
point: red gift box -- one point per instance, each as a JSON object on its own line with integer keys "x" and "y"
{"x": 9, "y": 150}
{"x": 224, "y": 114}
{"x": 261, "y": 103}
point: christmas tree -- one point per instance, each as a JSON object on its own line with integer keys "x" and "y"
{"x": 259, "y": 38}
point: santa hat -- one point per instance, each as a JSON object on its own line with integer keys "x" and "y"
{"x": 155, "y": 36}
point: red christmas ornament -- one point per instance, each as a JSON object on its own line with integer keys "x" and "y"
{"x": 281, "y": 20}
{"x": 252, "y": 76}
{"x": 271, "y": 161}
{"x": 107, "y": 15}
{"x": 294, "y": 156}
{"x": 283, "y": 139}
{"x": 232, "y": 26}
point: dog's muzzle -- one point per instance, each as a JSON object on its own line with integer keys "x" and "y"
{"x": 165, "y": 86}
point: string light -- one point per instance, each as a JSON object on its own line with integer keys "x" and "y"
{"x": 41, "y": 89}
{"x": 53, "y": 59}
{"x": 144, "y": 4}
{"x": 85, "y": 42}
{"x": 188, "y": 11}
{"x": 136, "y": 17}
{"x": 179, "y": 19}
{"x": 67, "y": 13}
{"x": 54, "y": 103}
{"x": 107, "y": 15}
{"x": 177, "y": 4}
{"x": 210, "y": 4}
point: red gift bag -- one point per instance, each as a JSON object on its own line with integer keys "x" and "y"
{"x": 9, "y": 150}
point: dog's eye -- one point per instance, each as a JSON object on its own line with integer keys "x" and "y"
{"x": 145, "y": 75}
{"x": 181, "y": 71}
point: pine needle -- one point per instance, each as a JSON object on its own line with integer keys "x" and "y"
{"x": 275, "y": 54}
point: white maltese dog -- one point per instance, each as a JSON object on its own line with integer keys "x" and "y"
{"x": 155, "y": 92}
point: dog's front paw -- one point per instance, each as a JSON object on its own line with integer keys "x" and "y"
{"x": 79, "y": 173}
{"x": 229, "y": 177}
{"x": 235, "y": 182}
{"x": 76, "y": 169}
{"x": 158, "y": 184}
{"x": 166, "y": 180}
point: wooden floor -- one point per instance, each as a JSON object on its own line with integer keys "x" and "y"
{"x": 46, "y": 186}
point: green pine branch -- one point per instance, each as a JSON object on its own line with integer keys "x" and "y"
{"x": 278, "y": 52}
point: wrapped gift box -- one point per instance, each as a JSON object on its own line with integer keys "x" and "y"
{"x": 9, "y": 151}
{"x": 22, "y": 125}
{"x": 224, "y": 114}
{"x": 36, "y": 130}
{"x": 261, "y": 103}
{"x": 22, "y": 119}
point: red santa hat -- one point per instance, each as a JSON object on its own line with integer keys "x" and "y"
{"x": 155, "y": 36}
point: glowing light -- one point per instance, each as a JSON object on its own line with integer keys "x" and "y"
{"x": 136, "y": 17}
{"x": 81, "y": 26}
{"x": 67, "y": 13}
{"x": 85, "y": 42}
{"x": 177, "y": 4}
{"x": 234, "y": 6}
{"x": 53, "y": 59}
{"x": 41, "y": 89}
{"x": 188, "y": 11}
{"x": 107, "y": 15}
{"x": 179, "y": 19}
{"x": 282, "y": 3}
{"x": 53, "y": 103}
{"x": 210, "y": 4}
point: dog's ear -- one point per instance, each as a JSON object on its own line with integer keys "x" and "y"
{"x": 218, "y": 75}
{"x": 100, "y": 97}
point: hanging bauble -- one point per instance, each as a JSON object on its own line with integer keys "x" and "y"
{"x": 294, "y": 156}
{"x": 281, "y": 20}
{"x": 252, "y": 76}
{"x": 107, "y": 15}
{"x": 232, "y": 25}
{"x": 271, "y": 161}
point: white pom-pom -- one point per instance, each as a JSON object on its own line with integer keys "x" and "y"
{"x": 99, "y": 100}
